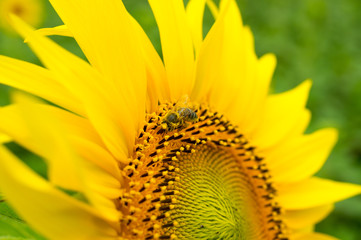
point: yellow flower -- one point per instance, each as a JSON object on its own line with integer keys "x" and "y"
{"x": 31, "y": 11}
{"x": 194, "y": 148}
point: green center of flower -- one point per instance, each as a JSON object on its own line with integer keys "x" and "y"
{"x": 215, "y": 198}
{"x": 194, "y": 176}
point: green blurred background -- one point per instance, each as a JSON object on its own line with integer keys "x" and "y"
{"x": 317, "y": 39}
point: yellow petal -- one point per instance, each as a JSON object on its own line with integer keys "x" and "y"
{"x": 301, "y": 157}
{"x": 97, "y": 155}
{"x": 246, "y": 76}
{"x": 195, "y": 12}
{"x": 157, "y": 85}
{"x": 101, "y": 189}
{"x": 208, "y": 68}
{"x": 74, "y": 125}
{"x": 34, "y": 132}
{"x": 4, "y": 138}
{"x": 314, "y": 236}
{"x": 115, "y": 120}
{"x": 207, "y": 60}
{"x": 51, "y": 212}
{"x": 305, "y": 230}
{"x": 82, "y": 136}
{"x": 45, "y": 135}
{"x": 177, "y": 45}
{"x": 282, "y": 113}
{"x": 314, "y": 192}
{"x": 249, "y": 116}
{"x": 300, "y": 126}
{"x": 38, "y": 81}
{"x": 226, "y": 62}
{"x": 213, "y": 8}
{"x": 61, "y": 30}
{"x": 105, "y": 33}
{"x": 297, "y": 219}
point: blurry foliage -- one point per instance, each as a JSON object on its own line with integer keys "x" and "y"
{"x": 12, "y": 226}
{"x": 317, "y": 39}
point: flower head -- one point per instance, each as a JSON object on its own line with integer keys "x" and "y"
{"x": 190, "y": 148}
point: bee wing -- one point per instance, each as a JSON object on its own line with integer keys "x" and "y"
{"x": 183, "y": 102}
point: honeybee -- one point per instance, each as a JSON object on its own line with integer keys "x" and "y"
{"x": 180, "y": 115}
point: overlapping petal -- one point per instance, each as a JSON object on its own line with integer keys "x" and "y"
{"x": 282, "y": 113}
{"x": 210, "y": 66}
{"x": 195, "y": 12}
{"x": 60, "y": 216}
{"x": 226, "y": 64}
{"x": 157, "y": 84}
{"x": 105, "y": 33}
{"x": 38, "y": 81}
{"x": 177, "y": 45}
{"x": 116, "y": 124}
{"x": 5, "y": 138}
{"x": 300, "y": 157}
{"x": 43, "y": 139}
{"x": 43, "y": 134}
{"x": 297, "y": 219}
{"x": 314, "y": 192}
{"x": 314, "y": 236}
{"x": 250, "y": 115}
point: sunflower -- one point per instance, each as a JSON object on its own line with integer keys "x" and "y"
{"x": 31, "y": 11}
{"x": 191, "y": 147}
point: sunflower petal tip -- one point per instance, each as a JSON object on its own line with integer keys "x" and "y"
{"x": 308, "y": 83}
{"x": 334, "y": 133}
{"x": 354, "y": 190}
{"x": 331, "y": 134}
{"x": 247, "y": 28}
{"x": 271, "y": 58}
